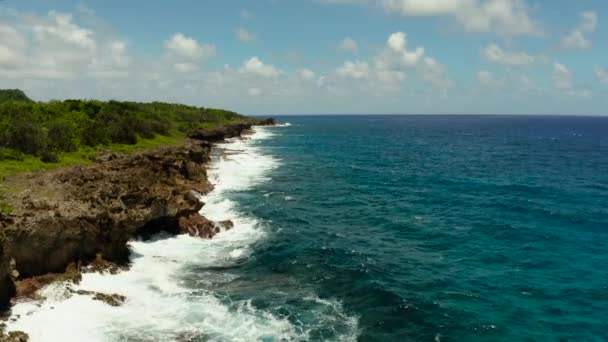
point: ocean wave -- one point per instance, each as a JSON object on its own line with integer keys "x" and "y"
{"x": 165, "y": 299}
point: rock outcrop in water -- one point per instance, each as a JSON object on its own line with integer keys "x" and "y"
{"x": 81, "y": 213}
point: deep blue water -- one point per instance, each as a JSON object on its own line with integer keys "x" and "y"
{"x": 435, "y": 228}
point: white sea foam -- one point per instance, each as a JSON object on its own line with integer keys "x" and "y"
{"x": 160, "y": 304}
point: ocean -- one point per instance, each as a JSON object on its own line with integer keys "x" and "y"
{"x": 373, "y": 228}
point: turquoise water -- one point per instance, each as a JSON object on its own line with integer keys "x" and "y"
{"x": 372, "y": 228}
{"x": 433, "y": 228}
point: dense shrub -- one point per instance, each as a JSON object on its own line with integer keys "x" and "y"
{"x": 49, "y": 156}
{"x": 60, "y": 136}
{"x": 23, "y": 132}
{"x": 46, "y": 129}
{"x": 9, "y": 154}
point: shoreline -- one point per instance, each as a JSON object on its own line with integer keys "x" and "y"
{"x": 49, "y": 233}
{"x": 164, "y": 298}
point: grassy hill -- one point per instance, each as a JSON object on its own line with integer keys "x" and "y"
{"x": 36, "y": 135}
{"x": 13, "y": 95}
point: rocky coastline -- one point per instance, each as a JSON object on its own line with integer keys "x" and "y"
{"x": 82, "y": 217}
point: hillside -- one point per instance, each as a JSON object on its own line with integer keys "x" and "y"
{"x": 37, "y": 135}
{"x": 13, "y": 95}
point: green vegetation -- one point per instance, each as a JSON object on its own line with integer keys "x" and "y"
{"x": 13, "y": 95}
{"x": 38, "y": 136}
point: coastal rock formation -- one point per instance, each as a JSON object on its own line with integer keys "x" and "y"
{"x": 220, "y": 133}
{"x": 83, "y": 213}
{"x": 110, "y": 299}
{"x": 14, "y": 336}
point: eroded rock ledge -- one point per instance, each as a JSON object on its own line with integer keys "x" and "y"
{"x": 80, "y": 213}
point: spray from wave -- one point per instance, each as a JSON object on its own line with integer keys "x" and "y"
{"x": 167, "y": 297}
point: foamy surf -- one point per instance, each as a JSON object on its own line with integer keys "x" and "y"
{"x": 167, "y": 297}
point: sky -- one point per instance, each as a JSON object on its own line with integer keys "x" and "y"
{"x": 314, "y": 56}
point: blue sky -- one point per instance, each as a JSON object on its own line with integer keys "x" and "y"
{"x": 314, "y": 56}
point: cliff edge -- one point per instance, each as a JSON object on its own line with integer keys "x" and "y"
{"x": 82, "y": 213}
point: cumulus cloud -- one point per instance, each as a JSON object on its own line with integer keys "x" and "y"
{"x": 397, "y": 55}
{"x": 306, "y": 74}
{"x": 188, "y": 48}
{"x": 349, "y": 45}
{"x": 12, "y": 47}
{"x": 562, "y": 77}
{"x": 389, "y": 68}
{"x": 434, "y": 72}
{"x": 577, "y": 38}
{"x": 254, "y": 92}
{"x": 59, "y": 55}
{"x": 496, "y": 54}
{"x": 509, "y": 17}
{"x": 487, "y": 78}
{"x": 356, "y": 70}
{"x": 254, "y": 66}
{"x": 55, "y": 46}
{"x": 187, "y": 54}
{"x": 245, "y": 36}
{"x": 601, "y": 74}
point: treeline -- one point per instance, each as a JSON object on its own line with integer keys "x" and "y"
{"x": 47, "y": 129}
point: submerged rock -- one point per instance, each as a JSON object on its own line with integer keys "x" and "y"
{"x": 226, "y": 225}
{"x": 27, "y": 288}
{"x": 110, "y": 299}
{"x": 197, "y": 226}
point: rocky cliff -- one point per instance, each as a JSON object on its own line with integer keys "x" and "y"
{"x": 78, "y": 214}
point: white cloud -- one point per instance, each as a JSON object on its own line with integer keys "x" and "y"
{"x": 187, "y": 54}
{"x": 433, "y": 72}
{"x": 589, "y": 23}
{"x": 61, "y": 45}
{"x": 389, "y": 77}
{"x": 396, "y": 55}
{"x": 254, "y": 92}
{"x": 577, "y": 38}
{"x": 254, "y": 66}
{"x": 116, "y": 63}
{"x": 509, "y": 17}
{"x": 187, "y": 48}
{"x": 388, "y": 69}
{"x": 87, "y": 61}
{"x": 562, "y": 77}
{"x": 245, "y": 36}
{"x": 601, "y": 74}
{"x": 55, "y": 46}
{"x": 59, "y": 28}
{"x": 355, "y": 70}
{"x": 487, "y": 78}
{"x": 349, "y": 45}
{"x": 496, "y": 54}
{"x": 12, "y": 47}
{"x": 306, "y": 74}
